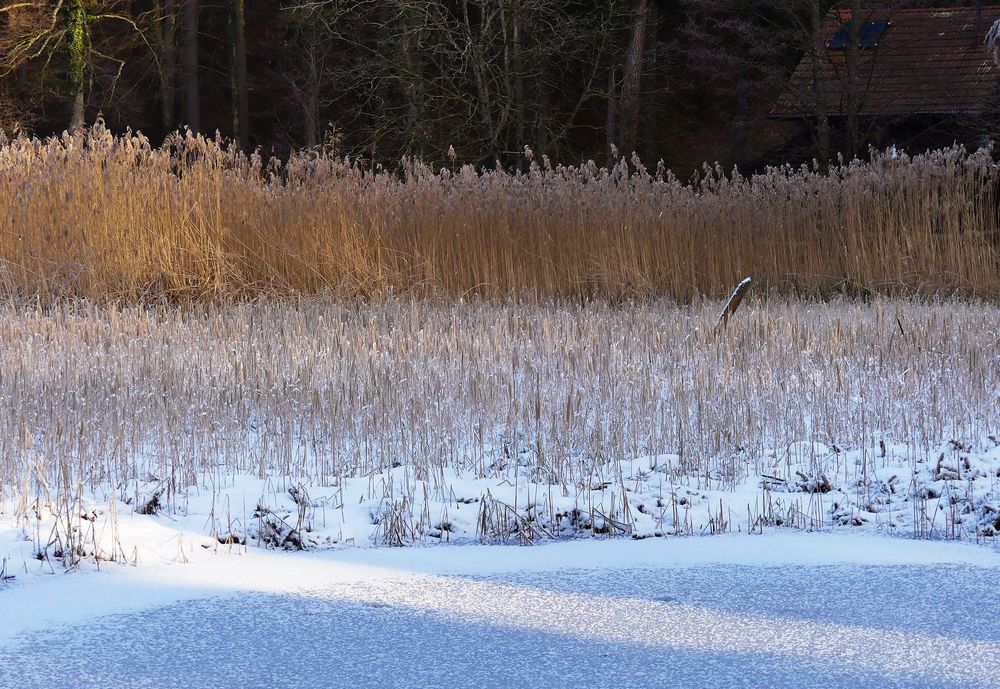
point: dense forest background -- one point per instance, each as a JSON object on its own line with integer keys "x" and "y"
{"x": 683, "y": 81}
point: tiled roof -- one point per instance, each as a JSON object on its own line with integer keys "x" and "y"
{"x": 928, "y": 61}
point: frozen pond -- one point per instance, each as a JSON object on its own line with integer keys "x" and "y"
{"x": 712, "y": 626}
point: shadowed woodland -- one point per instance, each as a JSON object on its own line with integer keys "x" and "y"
{"x": 467, "y": 81}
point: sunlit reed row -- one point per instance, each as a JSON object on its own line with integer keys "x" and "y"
{"x": 117, "y": 219}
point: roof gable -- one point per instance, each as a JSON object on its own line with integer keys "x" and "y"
{"x": 927, "y": 61}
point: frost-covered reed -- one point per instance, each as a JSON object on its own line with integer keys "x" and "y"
{"x": 104, "y": 396}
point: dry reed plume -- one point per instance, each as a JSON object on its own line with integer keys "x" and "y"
{"x": 114, "y": 218}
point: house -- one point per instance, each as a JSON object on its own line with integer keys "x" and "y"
{"x": 907, "y": 77}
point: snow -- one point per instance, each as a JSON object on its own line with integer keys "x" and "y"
{"x": 949, "y": 492}
{"x": 801, "y": 575}
{"x": 784, "y": 609}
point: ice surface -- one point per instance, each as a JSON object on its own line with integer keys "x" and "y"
{"x": 800, "y": 611}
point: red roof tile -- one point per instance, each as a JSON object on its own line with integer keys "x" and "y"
{"x": 928, "y": 61}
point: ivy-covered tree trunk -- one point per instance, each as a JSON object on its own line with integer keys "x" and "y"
{"x": 76, "y": 32}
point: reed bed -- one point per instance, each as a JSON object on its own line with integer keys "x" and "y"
{"x": 111, "y": 218}
{"x": 96, "y": 398}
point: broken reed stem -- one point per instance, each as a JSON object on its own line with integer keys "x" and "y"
{"x": 734, "y": 302}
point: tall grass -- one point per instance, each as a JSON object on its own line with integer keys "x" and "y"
{"x": 115, "y": 218}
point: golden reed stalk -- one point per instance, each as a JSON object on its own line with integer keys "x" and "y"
{"x": 114, "y": 218}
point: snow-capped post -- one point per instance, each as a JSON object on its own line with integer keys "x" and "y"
{"x": 734, "y": 302}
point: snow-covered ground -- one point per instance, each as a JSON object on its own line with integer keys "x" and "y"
{"x": 951, "y": 492}
{"x": 802, "y": 575}
{"x": 784, "y": 609}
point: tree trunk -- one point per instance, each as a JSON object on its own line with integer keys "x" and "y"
{"x": 854, "y": 91}
{"x": 611, "y": 117}
{"x": 192, "y": 104}
{"x": 739, "y": 133}
{"x": 518, "y": 76}
{"x": 76, "y": 36}
{"x": 310, "y": 125}
{"x": 542, "y": 124}
{"x": 821, "y": 113}
{"x": 168, "y": 61}
{"x": 480, "y": 69}
{"x": 384, "y": 34}
{"x": 632, "y": 78}
{"x": 309, "y": 96}
{"x": 238, "y": 74}
{"x": 416, "y": 127}
{"x": 77, "y": 118}
{"x": 649, "y": 135}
